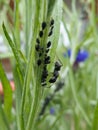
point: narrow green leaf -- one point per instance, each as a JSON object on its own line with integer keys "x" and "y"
{"x": 51, "y": 4}
{"x": 75, "y": 96}
{"x": 4, "y": 125}
{"x": 18, "y": 94}
{"x": 7, "y": 92}
{"x": 29, "y": 4}
{"x": 14, "y": 49}
{"x": 95, "y": 120}
{"x": 17, "y": 24}
{"x": 57, "y": 16}
{"x": 22, "y": 56}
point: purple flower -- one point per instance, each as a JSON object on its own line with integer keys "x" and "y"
{"x": 52, "y": 111}
{"x": 81, "y": 56}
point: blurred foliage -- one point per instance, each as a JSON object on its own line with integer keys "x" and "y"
{"x": 75, "y": 105}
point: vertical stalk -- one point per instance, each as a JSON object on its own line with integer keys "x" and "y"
{"x": 38, "y": 91}
{"x": 72, "y": 84}
{"x": 34, "y": 107}
{"x": 17, "y": 25}
{"x": 28, "y": 19}
{"x": 28, "y": 74}
{"x": 97, "y": 86}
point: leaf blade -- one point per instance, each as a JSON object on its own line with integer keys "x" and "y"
{"x": 14, "y": 50}
{"x": 7, "y": 92}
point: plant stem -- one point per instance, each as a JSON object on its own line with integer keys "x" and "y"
{"x": 72, "y": 83}
{"x": 35, "y": 106}
{"x": 28, "y": 74}
{"x": 17, "y": 25}
{"x": 28, "y": 6}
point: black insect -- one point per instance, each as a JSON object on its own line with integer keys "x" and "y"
{"x": 57, "y": 66}
{"x": 44, "y": 75}
{"x": 53, "y": 79}
{"x": 37, "y": 40}
{"x": 39, "y": 62}
{"x": 47, "y": 58}
{"x": 45, "y": 104}
{"x": 44, "y": 25}
{"x": 47, "y": 50}
{"x": 47, "y": 61}
{"x": 48, "y": 44}
{"x": 41, "y": 33}
{"x": 52, "y": 27}
{"x": 55, "y": 73}
{"x": 37, "y": 47}
{"x": 50, "y": 33}
{"x": 52, "y": 22}
{"x": 43, "y": 80}
{"x": 59, "y": 86}
{"x": 42, "y": 49}
{"x": 45, "y": 67}
{"x": 40, "y": 54}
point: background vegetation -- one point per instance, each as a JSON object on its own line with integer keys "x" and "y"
{"x": 74, "y": 105}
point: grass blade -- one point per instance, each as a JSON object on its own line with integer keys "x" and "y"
{"x": 95, "y": 120}
{"x": 7, "y": 92}
{"x": 4, "y": 125}
{"x": 14, "y": 49}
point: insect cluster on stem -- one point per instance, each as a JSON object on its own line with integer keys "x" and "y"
{"x": 43, "y": 55}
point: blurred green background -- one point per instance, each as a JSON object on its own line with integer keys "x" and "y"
{"x": 75, "y": 105}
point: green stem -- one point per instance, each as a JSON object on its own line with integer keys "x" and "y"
{"x": 28, "y": 5}
{"x": 72, "y": 83}
{"x": 34, "y": 107}
{"x": 38, "y": 91}
{"x": 4, "y": 118}
{"x": 28, "y": 74}
{"x": 17, "y": 25}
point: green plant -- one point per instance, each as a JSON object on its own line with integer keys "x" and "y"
{"x": 38, "y": 102}
{"x": 26, "y": 71}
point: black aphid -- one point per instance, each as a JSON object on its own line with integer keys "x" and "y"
{"x": 50, "y": 33}
{"x": 48, "y": 44}
{"x": 59, "y": 86}
{"x": 44, "y": 76}
{"x": 43, "y": 80}
{"x": 55, "y": 73}
{"x": 45, "y": 67}
{"x": 57, "y": 66}
{"x": 47, "y": 50}
{"x": 42, "y": 49}
{"x": 47, "y": 100}
{"x": 52, "y": 22}
{"x": 45, "y": 104}
{"x": 37, "y": 40}
{"x": 40, "y": 54}
{"x": 52, "y": 27}
{"x": 44, "y": 73}
{"x": 52, "y": 80}
{"x": 39, "y": 62}
{"x": 47, "y": 60}
{"x": 44, "y": 25}
{"x": 41, "y": 33}
{"x": 37, "y": 47}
